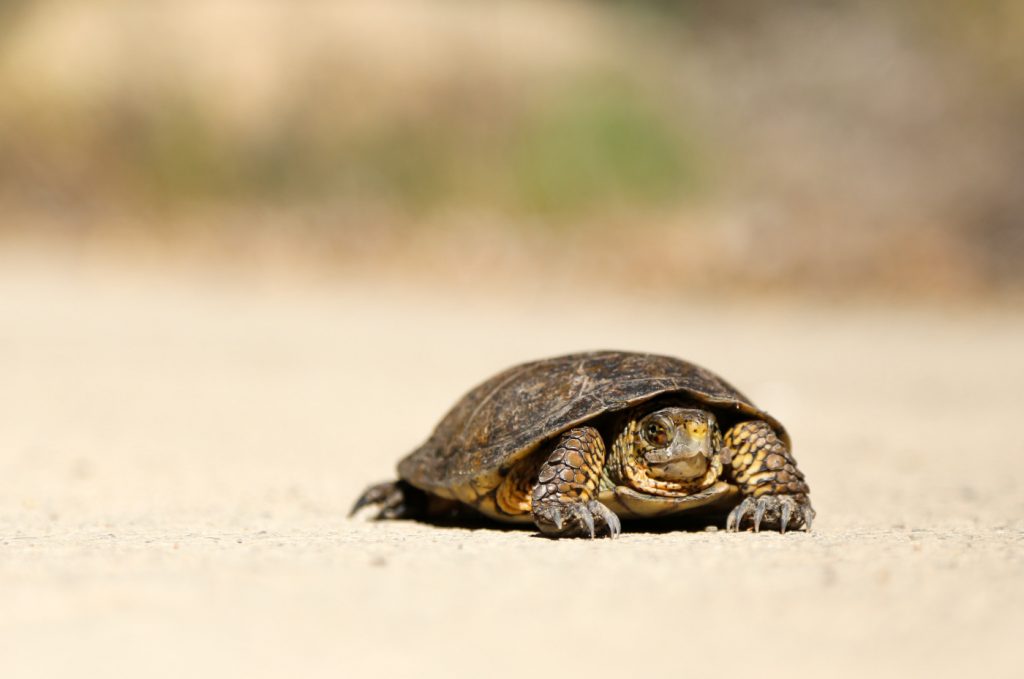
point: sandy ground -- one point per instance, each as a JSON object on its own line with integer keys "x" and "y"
{"x": 177, "y": 456}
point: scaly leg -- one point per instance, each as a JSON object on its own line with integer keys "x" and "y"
{"x": 563, "y": 503}
{"x": 766, "y": 473}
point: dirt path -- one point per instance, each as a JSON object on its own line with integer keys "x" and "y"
{"x": 177, "y": 457}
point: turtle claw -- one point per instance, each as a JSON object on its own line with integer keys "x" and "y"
{"x": 384, "y": 494}
{"x": 808, "y": 515}
{"x": 392, "y": 497}
{"x": 556, "y": 519}
{"x": 762, "y": 507}
{"x": 732, "y": 524}
{"x": 608, "y": 517}
{"x": 588, "y": 522}
{"x": 578, "y": 520}
{"x": 781, "y": 511}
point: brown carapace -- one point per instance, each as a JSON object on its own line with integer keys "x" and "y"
{"x": 574, "y": 443}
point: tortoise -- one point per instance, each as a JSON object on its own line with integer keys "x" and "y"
{"x": 574, "y": 442}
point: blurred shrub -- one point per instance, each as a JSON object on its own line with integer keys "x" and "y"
{"x": 155, "y": 131}
{"x": 805, "y": 144}
{"x": 600, "y": 144}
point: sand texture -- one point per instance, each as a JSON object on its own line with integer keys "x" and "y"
{"x": 177, "y": 457}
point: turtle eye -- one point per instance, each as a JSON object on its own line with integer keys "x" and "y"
{"x": 655, "y": 433}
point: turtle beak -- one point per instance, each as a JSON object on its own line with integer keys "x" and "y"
{"x": 688, "y": 447}
{"x": 687, "y": 456}
{"x": 692, "y": 440}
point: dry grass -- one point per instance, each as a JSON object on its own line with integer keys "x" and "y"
{"x": 847, "y": 150}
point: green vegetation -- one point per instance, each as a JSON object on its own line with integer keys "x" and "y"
{"x": 598, "y": 145}
{"x": 567, "y": 154}
{"x": 809, "y": 141}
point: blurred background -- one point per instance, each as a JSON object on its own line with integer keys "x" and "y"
{"x": 252, "y": 250}
{"x": 827, "y": 149}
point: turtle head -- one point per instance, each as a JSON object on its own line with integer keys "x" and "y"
{"x": 668, "y": 452}
{"x": 677, "y": 444}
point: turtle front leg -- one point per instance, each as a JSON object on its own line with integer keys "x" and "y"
{"x": 766, "y": 473}
{"x": 562, "y": 502}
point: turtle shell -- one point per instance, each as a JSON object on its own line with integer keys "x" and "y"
{"x": 510, "y": 415}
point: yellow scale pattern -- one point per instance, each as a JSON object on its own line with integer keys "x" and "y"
{"x": 569, "y": 474}
{"x": 760, "y": 462}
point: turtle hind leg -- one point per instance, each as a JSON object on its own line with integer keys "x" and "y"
{"x": 766, "y": 473}
{"x": 395, "y": 499}
{"x": 562, "y": 502}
